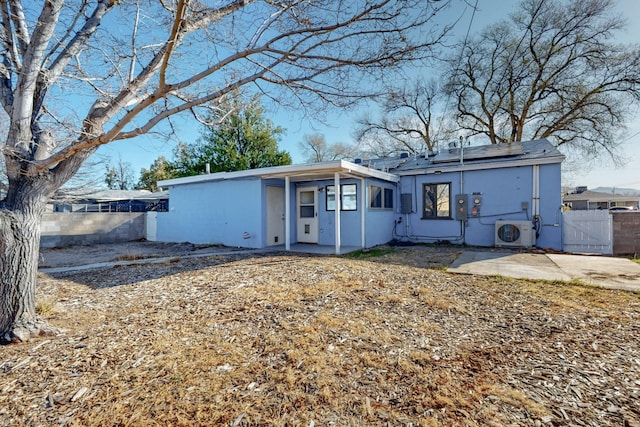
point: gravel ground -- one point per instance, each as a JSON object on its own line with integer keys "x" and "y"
{"x": 382, "y": 338}
{"x": 70, "y": 256}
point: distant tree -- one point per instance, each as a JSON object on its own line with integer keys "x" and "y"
{"x": 408, "y": 122}
{"x": 238, "y": 137}
{"x": 315, "y": 149}
{"x": 552, "y": 70}
{"x": 160, "y": 169}
{"x": 119, "y": 176}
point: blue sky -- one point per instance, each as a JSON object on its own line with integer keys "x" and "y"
{"x": 141, "y": 152}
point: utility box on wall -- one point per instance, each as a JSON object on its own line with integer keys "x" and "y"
{"x": 462, "y": 202}
{"x": 406, "y": 205}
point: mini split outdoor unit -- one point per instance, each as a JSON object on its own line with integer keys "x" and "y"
{"x": 515, "y": 234}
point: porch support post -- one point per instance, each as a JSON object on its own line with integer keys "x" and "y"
{"x": 363, "y": 216}
{"x": 287, "y": 213}
{"x": 336, "y": 186}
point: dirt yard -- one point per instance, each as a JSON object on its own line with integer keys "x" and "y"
{"x": 387, "y": 338}
{"x": 70, "y": 256}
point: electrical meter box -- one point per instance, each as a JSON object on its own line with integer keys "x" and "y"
{"x": 475, "y": 207}
{"x": 462, "y": 203}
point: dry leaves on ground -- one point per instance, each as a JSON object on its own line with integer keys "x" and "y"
{"x": 284, "y": 339}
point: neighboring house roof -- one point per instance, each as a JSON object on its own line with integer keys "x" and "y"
{"x": 113, "y": 196}
{"x": 598, "y": 197}
{"x": 491, "y": 156}
{"x": 311, "y": 171}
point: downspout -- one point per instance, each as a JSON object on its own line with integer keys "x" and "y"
{"x": 462, "y": 222}
{"x": 535, "y": 205}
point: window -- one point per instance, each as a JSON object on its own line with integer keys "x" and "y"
{"x": 380, "y": 197}
{"x": 435, "y": 201}
{"x": 348, "y": 197}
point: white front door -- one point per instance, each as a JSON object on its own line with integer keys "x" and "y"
{"x": 307, "y": 214}
{"x": 275, "y": 216}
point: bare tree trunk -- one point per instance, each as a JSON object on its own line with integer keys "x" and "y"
{"x": 20, "y": 219}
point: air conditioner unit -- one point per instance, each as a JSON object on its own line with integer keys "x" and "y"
{"x": 515, "y": 234}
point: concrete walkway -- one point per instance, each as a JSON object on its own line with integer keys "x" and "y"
{"x": 152, "y": 260}
{"x": 608, "y": 272}
{"x": 199, "y": 253}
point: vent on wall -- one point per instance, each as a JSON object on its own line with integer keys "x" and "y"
{"x": 515, "y": 234}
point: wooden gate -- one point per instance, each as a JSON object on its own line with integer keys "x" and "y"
{"x": 587, "y": 231}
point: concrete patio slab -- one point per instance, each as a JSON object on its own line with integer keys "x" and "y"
{"x": 518, "y": 265}
{"x": 608, "y": 272}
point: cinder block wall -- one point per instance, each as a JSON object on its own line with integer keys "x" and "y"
{"x": 65, "y": 229}
{"x": 626, "y": 233}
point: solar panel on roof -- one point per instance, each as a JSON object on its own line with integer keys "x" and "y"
{"x": 479, "y": 153}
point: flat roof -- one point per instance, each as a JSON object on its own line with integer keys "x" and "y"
{"x": 296, "y": 173}
{"x": 494, "y": 156}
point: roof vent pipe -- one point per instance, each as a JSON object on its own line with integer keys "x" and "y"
{"x": 207, "y": 168}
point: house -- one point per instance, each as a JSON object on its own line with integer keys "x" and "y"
{"x": 462, "y": 195}
{"x": 583, "y": 199}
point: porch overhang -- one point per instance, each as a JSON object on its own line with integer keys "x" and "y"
{"x": 296, "y": 173}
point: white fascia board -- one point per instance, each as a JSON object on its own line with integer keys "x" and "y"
{"x": 484, "y": 166}
{"x": 364, "y": 171}
{"x": 340, "y": 166}
{"x": 218, "y": 176}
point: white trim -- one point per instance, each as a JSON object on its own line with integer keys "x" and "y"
{"x": 363, "y": 217}
{"x": 287, "y": 213}
{"x": 338, "y": 207}
{"x": 306, "y": 171}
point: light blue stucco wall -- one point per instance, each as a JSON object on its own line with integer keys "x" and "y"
{"x": 218, "y": 212}
{"x": 221, "y": 212}
{"x": 350, "y": 231}
{"x": 378, "y": 223}
{"x": 350, "y": 228}
{"x": 502, "y": 191}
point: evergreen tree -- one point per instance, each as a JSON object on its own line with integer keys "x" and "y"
{"x": 238, "y": 138}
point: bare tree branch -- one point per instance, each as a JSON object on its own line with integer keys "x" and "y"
{"x": 407, "y": 123}
{"x": 553, "y": 73}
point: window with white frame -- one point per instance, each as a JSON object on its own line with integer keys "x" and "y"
{"x": 348, "y": 197}
{"x": 436, "y": 201}
{"x": 380, "y": 197}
